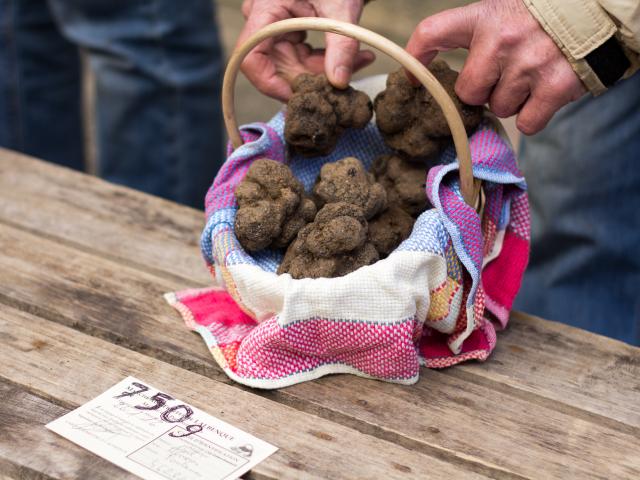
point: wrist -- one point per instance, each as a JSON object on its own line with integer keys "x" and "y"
{"x": 586, "y": 36}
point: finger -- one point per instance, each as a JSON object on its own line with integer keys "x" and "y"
{"x": 292, "y": 37}
{"x": 549, "y": 95}
{"x": 443, "y": 31}
{"x": 363, "y": 59}
{"x": 341, "y": 51}
{"x": 261, "y": 15}
{"x": 262, "y": 72}
{"x": 259, "y": 68}
{"x": 247, "y": 5}
{"x": 258, "y": 65}
{"x": 509, "y": 95}
{"x": 534, "y": 115}
{"x": 339, "y": 59}
{"x": 313, "y": 59}
{"x": 343, "y": 59}
{"x": 292, "y": 60}
{"x": 479, "y": 75}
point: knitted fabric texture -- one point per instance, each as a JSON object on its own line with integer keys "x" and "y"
{"x": 435, "y": 301}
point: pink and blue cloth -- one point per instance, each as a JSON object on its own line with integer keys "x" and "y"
{"x": 437, "y": 300}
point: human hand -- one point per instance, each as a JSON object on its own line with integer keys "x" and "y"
{"x": 513, "y": 64}
{"x": 272, "y": 64}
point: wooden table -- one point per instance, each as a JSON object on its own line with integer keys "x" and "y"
{"x": 83, "y": 266}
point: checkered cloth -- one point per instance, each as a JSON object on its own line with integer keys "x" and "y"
{"x": 435, "y": 301}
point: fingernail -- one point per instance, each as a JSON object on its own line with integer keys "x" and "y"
{"x": 341, "y": 75}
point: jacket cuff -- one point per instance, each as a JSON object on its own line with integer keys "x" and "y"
{"x": 578, "y": 27}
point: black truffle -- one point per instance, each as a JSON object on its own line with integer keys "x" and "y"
{"x": 318, "y": 113}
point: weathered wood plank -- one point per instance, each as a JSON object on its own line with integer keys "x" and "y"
{"x": 565, "y": 365}
{"x": 441, "y": 414}
{"x": 28, "y": 450}
{"x": 97, "y": 296}
{"x": 61, "y": 363}
{"x": 120, "y": 223}
{"x": 511, "y": 432}
{"x": 561, "y": 364}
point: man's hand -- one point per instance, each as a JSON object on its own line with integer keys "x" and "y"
{"x": 275, "y": 62}
{"x": 513, "y": 64}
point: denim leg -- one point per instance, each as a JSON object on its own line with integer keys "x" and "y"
{"x": 583, "y": 173}
{"x": 157, "y": 65}
{"x": 40, "y": 110}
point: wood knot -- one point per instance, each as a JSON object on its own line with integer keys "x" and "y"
{"x": 402, "y": 468}
{"x": 38, "y": 344}
{"x": 321, "y": 435}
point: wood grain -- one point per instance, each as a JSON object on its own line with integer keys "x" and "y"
{"x": 97, "y": 296}
{"x": 559, "y": 365}
{"x": 310, "y": 447}
{"x": 567, "y": 366}
{"x": 28, "y": 450}
{"x": 138, "y": 229}
{"x": 515, "y": 434}
{"x": 442, "y": 415}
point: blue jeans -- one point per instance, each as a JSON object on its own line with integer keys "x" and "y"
{"x": 583, "y": 173}
{"x": 157, "y": 65}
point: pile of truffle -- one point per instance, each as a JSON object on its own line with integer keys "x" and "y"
{"x": 408, "y": 117}
{"x": 318, "y": 113}
{"x": 411, "y": 121}
{"x": 353, "y": 217}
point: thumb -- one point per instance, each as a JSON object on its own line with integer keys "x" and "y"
{"x": 339, "y": 60}
{"x": 443, "y": 31}
{"x": 342, "y": 53}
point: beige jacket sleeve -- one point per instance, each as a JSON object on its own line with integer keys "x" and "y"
{"x": 580, "y": 26}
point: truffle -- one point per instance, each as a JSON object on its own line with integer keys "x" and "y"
{"x": 389, "y": 229}
{"x": 318, "y": 113}
{"x": 347, "y": 181}
{"x": 404, "y": 183}
{"x": 410, "y": 119}
{"x": 272, "y": 206}
{"x": 333, "y": 245}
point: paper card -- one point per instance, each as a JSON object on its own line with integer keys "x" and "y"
{"x": 157, "y": 437}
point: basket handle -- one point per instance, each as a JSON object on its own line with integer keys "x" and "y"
{"x": 469, "y": 186}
